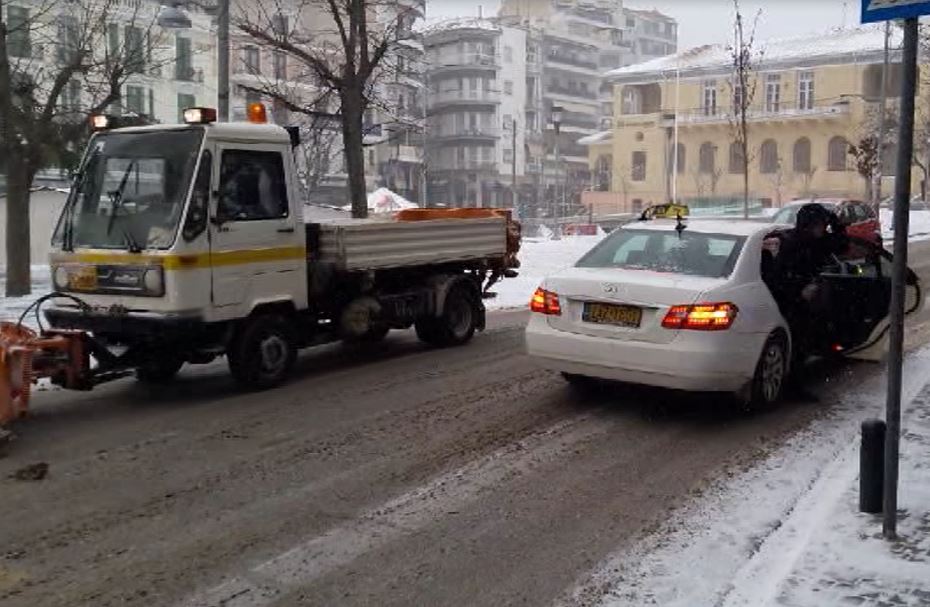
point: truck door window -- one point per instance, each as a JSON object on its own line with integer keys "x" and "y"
{"x": 196, "y": 221}
{"x": 252, "y": 186}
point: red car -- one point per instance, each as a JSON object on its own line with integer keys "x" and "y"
{"x": 860, "y": 218}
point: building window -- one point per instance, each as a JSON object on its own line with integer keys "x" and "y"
{"x": 737, "y": 97}
{"x": 636, "y": 206}
{"x": 638, "y": 172}
{"x": 135, "y": 100}
{"x": 710, "y": 98}
{"x": 508, "y": 87}
{"x": 768, "y": 157}
{"x": 19, "y": 41}
{"x": 280, "y": 25}
{"x": 279, "y": 61}
{"x": 68, "y": 39}
{"x": 136, "y": 49}
{"x": 837, "y": 154}
{"x": 772, "y": 93}
{"x": 802, "y": 156}
{"x": 508, "y": 54}
{"x": 806, "y": 90}
{"x": 185, "y": 101}
{"x": 252, "y": 58}
{"x": 708, "y": 158}
{"x": 632, "y": 101}
{"x": 183, "y": 59}
{"x": 737, "y": 159}
{"x": 71, "y": 96}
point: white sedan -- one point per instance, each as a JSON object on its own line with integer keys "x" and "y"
{"x": 685, "y": 307}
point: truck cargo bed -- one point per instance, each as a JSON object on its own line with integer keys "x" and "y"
{"x": 375, "y": 244}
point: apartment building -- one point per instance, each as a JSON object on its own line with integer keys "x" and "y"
{"x": 476, "y": 102}
{"x": 575, "y": 43}
{"x": 814, "y": 97}
{"x": 169, "y": 70}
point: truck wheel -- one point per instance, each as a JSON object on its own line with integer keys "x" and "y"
{"x": 263, "y": 353}
{"x": 457, "y": 324}
{"x": 159, "y": 371}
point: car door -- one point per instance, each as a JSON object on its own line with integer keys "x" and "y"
{"x": 858, "y": 291}
{"x": 252, "y": 230}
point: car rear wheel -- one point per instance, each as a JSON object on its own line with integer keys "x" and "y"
{"x": 771, "y": 375}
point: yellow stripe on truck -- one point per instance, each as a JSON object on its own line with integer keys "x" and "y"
{"x": 186, "y": 261}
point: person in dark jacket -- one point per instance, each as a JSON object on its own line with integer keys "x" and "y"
{"x": 792, "y": 276}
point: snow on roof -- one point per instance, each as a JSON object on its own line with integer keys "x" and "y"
{"x": 600, "y": 137}
{"x": 650, "y": 13}
{"x": 439, "y": 26}
{"x": 855, "y": 44}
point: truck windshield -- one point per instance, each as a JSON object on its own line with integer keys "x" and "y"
{"x": 130, "y": 191}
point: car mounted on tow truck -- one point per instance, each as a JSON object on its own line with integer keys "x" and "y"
{"x": 183, "y": 243}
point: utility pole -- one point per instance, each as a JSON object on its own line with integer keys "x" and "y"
{"x": 899, "y": 276}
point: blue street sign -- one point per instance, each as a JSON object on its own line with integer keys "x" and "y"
{"x": 887, "y": 10}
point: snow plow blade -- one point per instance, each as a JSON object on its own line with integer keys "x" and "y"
{"x": 27, "y": 356}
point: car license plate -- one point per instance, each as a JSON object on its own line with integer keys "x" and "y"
{"x": 611, "y": 314}
{"x": 83, "y": 279}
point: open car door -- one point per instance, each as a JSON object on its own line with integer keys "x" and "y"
{"x": 858, "y": 289}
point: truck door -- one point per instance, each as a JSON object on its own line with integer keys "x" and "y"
{"x": 256, "y": 247}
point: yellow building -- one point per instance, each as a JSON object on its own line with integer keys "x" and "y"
{"x": 812, "y": 98}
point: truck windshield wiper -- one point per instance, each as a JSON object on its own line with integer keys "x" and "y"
{"x": 116, "y": 196}
{"x": 131, "y": 243}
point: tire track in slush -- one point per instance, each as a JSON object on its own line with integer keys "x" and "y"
{"x": 266, "y": 582}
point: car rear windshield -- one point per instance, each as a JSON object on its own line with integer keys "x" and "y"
{"x": 691, "y": 254}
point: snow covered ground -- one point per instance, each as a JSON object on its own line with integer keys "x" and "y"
{"x": 785, "y": 530}
{"x": 918, "y": 226}
{"x": 11, "y": 308}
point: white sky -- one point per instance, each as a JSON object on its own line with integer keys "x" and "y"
{"x": 708, "y": 21}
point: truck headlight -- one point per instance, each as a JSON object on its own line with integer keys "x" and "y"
{"x": 154, "y": 281}
{"x": 60, "y": 278}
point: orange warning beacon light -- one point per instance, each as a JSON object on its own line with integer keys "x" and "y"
{"x": 257, "y": 114}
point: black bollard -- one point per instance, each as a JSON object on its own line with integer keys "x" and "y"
{"x": 871, "y": 466}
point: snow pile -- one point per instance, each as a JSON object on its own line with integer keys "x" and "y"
{"x": 918, "y": 227}
{"x": 539, "y": 258}
{"x": 384, "y": 200}
{"x": 11, "y": 308}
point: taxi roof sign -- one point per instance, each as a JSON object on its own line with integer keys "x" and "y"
{"x": 665, "y": 211}
{"x": 887, "y": 10}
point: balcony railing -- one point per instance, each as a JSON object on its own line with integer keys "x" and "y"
{"x": 586, "y": 94}
{"x": 569, "y": 60}
{"x": 467, "y": 60}
{"x": 465, "y": 96}
{"x": 476, "y": 132}
{"x": 469, "y": 164}
{"x": 783, "y": 111}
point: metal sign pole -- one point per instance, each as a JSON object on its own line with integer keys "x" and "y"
{"x": 899, "y": 275}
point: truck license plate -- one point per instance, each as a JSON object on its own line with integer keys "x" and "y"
{"x": 83, "y": 279}
{"x": 611, "y": 314}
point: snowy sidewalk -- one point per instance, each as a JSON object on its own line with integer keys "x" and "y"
{"x": 828, "y": 553}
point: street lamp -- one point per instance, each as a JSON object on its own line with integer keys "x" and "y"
{"x": 174, "y": 17}
{"x": 555, "y": 115}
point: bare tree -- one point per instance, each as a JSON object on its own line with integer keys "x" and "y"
{"x": 349, "y": 48}
{"x": 57, "y": 66}
{"x": 743, "y": 89}
{"x": 807, "y": 178}
{"x": 780, "y": 178}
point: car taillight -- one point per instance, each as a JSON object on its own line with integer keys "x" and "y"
{"x": 546, "y": 302}
{"x": 701, "y": 317}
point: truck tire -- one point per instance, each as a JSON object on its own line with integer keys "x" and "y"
{"x": 263, "y": 353}
{"x": 456, "y": 325}
{"x": 160, "y": 371}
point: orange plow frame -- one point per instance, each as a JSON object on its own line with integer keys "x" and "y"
{"x": 26, "y": 357}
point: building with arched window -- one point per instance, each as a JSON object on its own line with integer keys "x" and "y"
{"x": 807, "y": 110}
